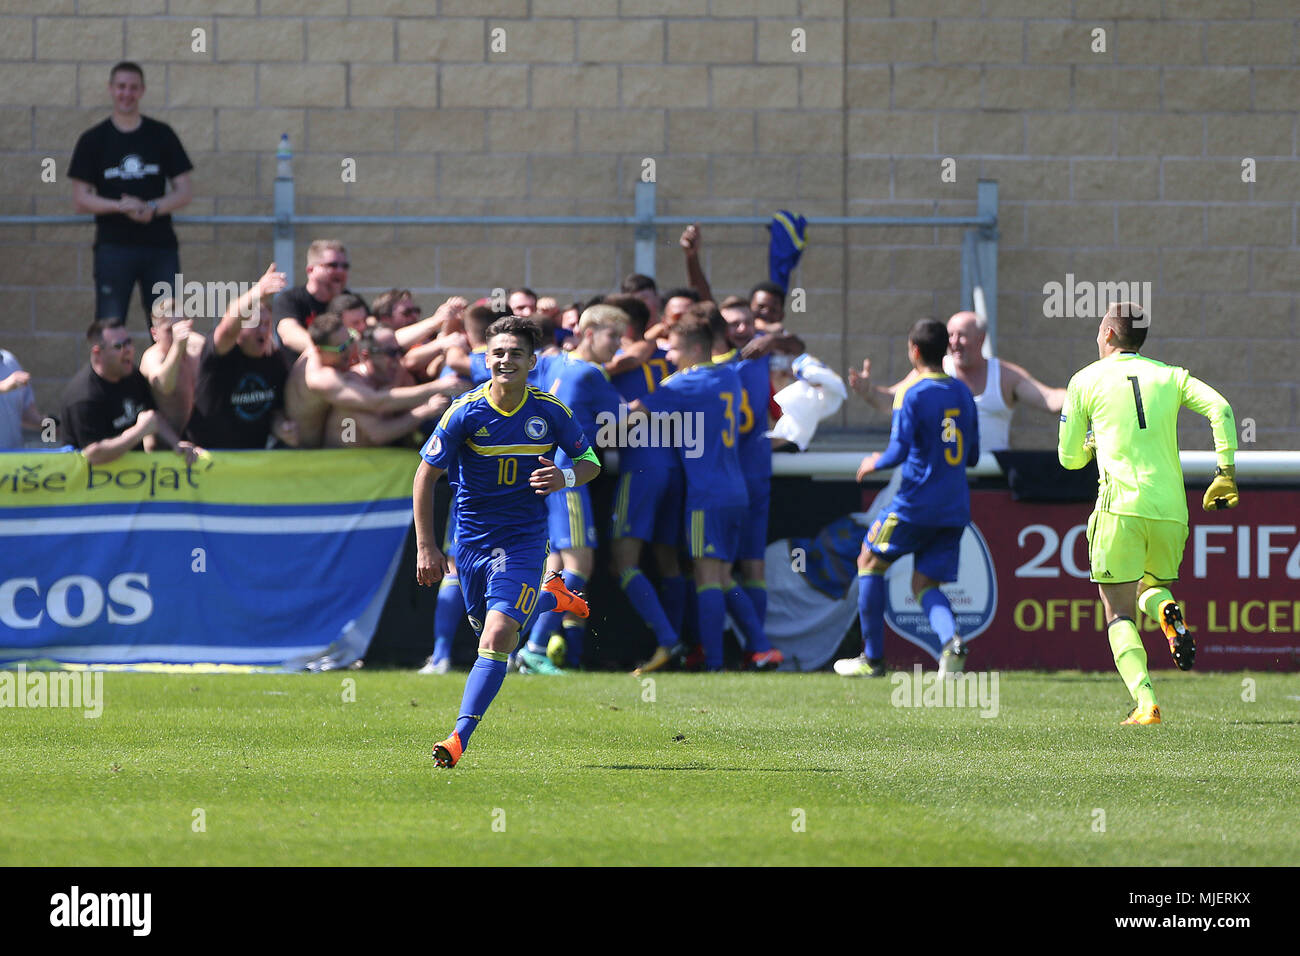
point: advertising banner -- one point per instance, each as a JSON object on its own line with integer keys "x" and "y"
{"x": 1024, "y": 597}
{"x": 275, "y": 559}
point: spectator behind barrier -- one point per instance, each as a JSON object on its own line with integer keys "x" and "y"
{"x": 352, "y": 309}
{"x": 171, "y": 363}
{"x": 395, "y": 308}
{"x": 380, "y": 367}
{"x": 18, "y": 411}
{"x": 239, "y": 393}
{"x": 295, "y": 309}
{"x": 319, "y": 381}
{"x": 108, "y": 409}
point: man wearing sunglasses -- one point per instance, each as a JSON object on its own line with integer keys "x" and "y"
{"x": 320, "y": 381}
{"x": 295, "y": 309}
{"x": 108, "y": 408}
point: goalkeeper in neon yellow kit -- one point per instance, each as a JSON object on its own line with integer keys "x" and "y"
{"x": 1124, "y": 409}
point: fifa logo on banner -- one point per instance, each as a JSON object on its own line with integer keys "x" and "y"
{"x": 922, "y": 689}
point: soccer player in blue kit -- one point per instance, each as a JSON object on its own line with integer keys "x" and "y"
{"x": 496, "y": 439}
{"x": 708, "y": 398}
{"x": 934, "y": 436}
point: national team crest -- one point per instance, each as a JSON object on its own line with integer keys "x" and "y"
{"x": 535, "y": 427}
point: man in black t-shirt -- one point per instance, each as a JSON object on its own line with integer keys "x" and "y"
{"x": 119, "y": 172}
{"x": 108, "y": 408}
{"x": 294, "y": 309}
{"x": 239, "y": 398}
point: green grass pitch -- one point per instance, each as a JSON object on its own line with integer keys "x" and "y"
{"x": 717, "y": 769}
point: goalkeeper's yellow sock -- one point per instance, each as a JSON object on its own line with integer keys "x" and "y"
{"x": 1150, "y": 601}
{"x": 1131, "y": 659}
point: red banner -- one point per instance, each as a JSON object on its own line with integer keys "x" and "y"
{"x": 1239, "y": 587}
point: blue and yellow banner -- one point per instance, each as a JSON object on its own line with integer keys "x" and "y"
{"x": 265, "y": 558}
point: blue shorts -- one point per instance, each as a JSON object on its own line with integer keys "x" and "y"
{"x": 501, "y": 580}
{"x": 753, "y": 538}
{"x": 937, "y": 549}
{"x": 648, "y": 506}
{"x": 569, "y": 523}
{"x": 715, "y": 532}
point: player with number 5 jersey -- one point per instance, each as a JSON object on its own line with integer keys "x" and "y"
{"x": 934, "y": 437}
{"x": 498, "y": 440}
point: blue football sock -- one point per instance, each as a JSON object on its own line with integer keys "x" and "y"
{"x": 712, "y": 614}
{"x": 690, "y": 631}
{"x": 757, "y": 591}
{"x": 936, "y": 607}
{"x": 481, "y": 687}
{"x": 871, "y": 614}
{"x": 740, "y": 608}
{"x": 674, "y": 595}
{"x": 446, "y": 617}
{"x": 574, "y": 632}
{"x": 646, "y": 603}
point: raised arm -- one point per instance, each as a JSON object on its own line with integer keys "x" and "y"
{"x": 226, "y": 333}
{"x": 350, "y": 392}
{"x": 163, "y": 378}
{"x": 879, "y": 397}
{"x": 691, "y": 242}
{"x": 1025, "y": 388}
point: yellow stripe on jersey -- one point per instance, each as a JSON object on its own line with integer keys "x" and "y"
{"x": 548, "y": 397}
{"x": 477, "y": 392}
{"x": 508, "y": 449}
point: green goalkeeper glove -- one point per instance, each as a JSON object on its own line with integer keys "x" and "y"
{"x": 1222, "y": 492}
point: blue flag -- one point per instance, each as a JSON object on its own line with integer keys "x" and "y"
{"x": 788, "y": 239}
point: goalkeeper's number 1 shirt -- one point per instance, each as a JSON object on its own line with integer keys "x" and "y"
{"x": 1130, "y": 403}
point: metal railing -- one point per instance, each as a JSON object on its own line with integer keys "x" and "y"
{"x": 979, "y": 250}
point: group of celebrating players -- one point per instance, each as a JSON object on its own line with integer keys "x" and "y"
{"x": 518, "y": 448}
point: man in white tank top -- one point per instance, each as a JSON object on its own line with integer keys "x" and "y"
{"x": 996, "y": 383}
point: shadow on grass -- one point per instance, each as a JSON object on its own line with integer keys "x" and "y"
{"x": 646, "y": 766}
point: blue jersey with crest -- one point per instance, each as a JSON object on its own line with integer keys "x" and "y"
{"x": 934, "y": 436}
{"x": 708, "y": 397}
{"x": 494, "y": 454}
{"x": 585, "y": 388}
{"x": 638, "y": 383}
